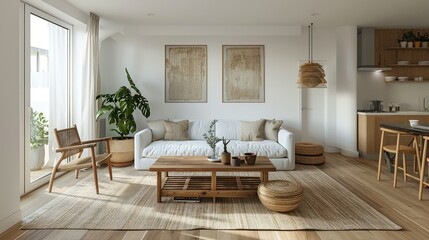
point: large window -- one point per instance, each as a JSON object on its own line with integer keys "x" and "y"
{"x": 47, "y": 91}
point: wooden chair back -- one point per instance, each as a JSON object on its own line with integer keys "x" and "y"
{"x": 68, "y": 137}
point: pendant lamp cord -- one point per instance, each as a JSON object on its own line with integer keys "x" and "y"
{"x": 311, "y": 42}
{"x": 309, "y": 45}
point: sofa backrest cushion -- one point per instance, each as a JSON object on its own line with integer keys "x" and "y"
{"x": 230, "y": 129}
{"x": 252, "y": 131}
{"x": 158, "y": 129}
{"x": 197, "y": 128}
{"x": 176, "y": 131}
{"x": 271, "y": 129}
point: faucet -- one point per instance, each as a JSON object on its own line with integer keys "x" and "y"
{"x": 425, "y": 103}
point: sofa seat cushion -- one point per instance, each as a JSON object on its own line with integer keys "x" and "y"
{"x": 267, "y": 148}
{"x": 177, "y": 148}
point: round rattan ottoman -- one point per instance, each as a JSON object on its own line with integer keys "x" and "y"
{"x": 309, "y": 153}
{"x": 280, "y": 196}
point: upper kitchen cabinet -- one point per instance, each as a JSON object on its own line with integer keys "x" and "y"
{"x": 409, "y": 64}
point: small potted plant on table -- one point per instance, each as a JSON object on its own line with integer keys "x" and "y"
{"x": 211, "y": 140}
{"x": 225, "y": 156}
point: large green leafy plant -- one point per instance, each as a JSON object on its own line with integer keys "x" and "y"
{"x": 39, "y": 130}
{"x": 121, "y": 106}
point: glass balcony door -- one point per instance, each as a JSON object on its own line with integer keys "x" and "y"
{"x": 46, "y": 83}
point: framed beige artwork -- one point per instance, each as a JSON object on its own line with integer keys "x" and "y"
{"x": 243, "y": 79}
{"x": 185, "y": 73}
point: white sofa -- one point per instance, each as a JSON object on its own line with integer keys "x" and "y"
{"x": 281, "y": 152}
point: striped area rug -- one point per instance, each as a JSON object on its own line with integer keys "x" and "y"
{"x": 129, "y": 203}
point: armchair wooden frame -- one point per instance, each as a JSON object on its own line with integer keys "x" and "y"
{"x": 70, "y": 146}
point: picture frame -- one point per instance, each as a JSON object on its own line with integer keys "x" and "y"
{"x": 243, "y": 74}
{"x": 185, "y": 73}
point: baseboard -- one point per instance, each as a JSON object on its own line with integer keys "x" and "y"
{"x": 349, "y": 153}
{"x": 9, "y": 221}
{"x": 331, "y": 149}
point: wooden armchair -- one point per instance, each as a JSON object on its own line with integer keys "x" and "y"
{"x": 71, "y": 147}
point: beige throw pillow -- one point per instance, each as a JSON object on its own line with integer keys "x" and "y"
{"x": 271, "y": 129}
{"x": 251, "y": 131}
{"x": 177, "y": 131}
{"x": 158, "y": 129}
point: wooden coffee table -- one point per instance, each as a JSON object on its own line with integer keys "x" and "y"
{"x": 207, "y": 186}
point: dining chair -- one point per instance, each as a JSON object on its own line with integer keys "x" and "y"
{"x": 425, "y": 159}
{"x": 398, "y": 149}
{"x": 71, "y": 148}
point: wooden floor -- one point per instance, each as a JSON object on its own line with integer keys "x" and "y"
{"x": 358, "y": 175}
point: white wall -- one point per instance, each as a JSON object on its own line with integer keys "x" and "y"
{"x": 9, "y": 104}
{"x": 144, "y": 58}
{"x": 347, "y": 90}
{"x": 371, "y": 86}
{"x": 408, "y": 95}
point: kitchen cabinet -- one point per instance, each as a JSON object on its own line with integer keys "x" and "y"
{"x": 369, "y": 134}
{"x": 388, "y": 53}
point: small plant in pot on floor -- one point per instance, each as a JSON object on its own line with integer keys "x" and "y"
{"x": 120, "y": 107}
{"x": 225, "y": 157}
{"x": 38, "y": 139}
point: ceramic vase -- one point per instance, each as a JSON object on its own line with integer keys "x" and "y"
{"x": 225, "y": 158}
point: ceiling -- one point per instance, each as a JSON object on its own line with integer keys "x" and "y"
{"x": 327, "y": 13}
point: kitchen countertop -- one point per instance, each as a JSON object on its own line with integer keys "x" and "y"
{"x": 393, "y": 113}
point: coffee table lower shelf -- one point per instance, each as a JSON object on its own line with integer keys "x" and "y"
{"x": 202, "y": 186}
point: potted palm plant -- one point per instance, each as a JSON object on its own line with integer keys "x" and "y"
{"x": 38, "y": 139}
{"x": 120, "y": 107}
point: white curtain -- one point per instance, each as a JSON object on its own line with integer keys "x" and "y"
{"x": 58, "y": 84}
{"x": 90, "y": 81}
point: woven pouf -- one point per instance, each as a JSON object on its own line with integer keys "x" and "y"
{"x": 309, "y": 153}
{"x": 280, "y": 196}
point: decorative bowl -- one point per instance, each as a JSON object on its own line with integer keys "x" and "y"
{"x": 390, "y": 78}
{"x": 250, "y": 158}
{"x": 414, "y": 123}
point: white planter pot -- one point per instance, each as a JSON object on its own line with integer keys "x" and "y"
{"x": 424, "y": 44}
{"x": 403, "y": 44}
{"x": 409, "y": 44}
{"x": 37, "y": 158}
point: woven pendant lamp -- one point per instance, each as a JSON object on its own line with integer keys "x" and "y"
{"x": 311, "y": 75}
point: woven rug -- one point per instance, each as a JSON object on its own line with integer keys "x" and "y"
{"x": 129, "y": 203}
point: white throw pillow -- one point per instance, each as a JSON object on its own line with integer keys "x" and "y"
{"x": 158, "y": 129}
{"x": 176, "y": 131}
{"x": 271, "y": 129}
